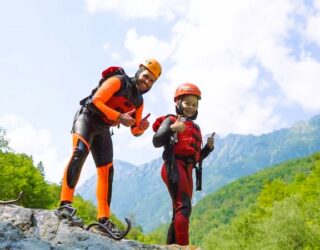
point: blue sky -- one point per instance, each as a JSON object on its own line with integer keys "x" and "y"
{"x": 256, "y": 62}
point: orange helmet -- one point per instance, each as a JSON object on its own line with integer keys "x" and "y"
{"x": 153, "y": 66}
{"x": 187, "y": 89}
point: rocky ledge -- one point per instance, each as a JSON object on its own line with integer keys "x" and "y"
{"x": 24, "y": 228}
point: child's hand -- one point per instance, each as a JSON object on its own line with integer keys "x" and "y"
{"x": 210, "y": 141}
{"x": 177, "y": 126}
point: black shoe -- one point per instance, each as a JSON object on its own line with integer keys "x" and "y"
{"x": 65, "y": 211}
{"x": 105, "y": 227}
{"x": 111, "y": 227}
{"x": 68, "y": 212}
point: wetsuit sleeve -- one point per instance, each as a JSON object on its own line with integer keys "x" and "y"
{"x": 206, "y": 151}
{"x": 108, "y": 88}
{"x": 163, "y": 134}
{"x": 135, "y": 130}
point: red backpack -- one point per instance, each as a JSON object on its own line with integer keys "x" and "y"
{"x": 107, "y": 73}
{"x": 111, "y": 71}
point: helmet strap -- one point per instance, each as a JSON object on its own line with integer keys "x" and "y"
{"x": 179, "y": 108}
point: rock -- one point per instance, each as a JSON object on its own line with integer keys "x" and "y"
{"x": 25, "y": 228}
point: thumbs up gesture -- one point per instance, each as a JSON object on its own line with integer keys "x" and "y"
{"x": 126, "y": 119}
{"x": 144, "y": 124}
{"x": 210, "y": 141}
{"x": 178, "y": 125}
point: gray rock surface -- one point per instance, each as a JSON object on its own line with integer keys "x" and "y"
{"x": 24, "y": 228}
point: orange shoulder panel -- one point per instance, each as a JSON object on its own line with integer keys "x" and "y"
{"x": 108, "y": 88}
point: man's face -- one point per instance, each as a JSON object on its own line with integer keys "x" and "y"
{"x": 145, "y": 81}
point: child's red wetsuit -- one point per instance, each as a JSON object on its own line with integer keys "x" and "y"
{"x": 182, "y": 151}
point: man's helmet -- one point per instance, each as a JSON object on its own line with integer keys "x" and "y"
{"x": 187, "y": 89}
{"x": 153, "y": 66}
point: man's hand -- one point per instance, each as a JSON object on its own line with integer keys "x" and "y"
{"x": 126, "y": 119}
{"x": 144, "y": 124}
{"x": 210, "y": 141}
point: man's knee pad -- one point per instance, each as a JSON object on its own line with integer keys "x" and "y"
{"x": 79, "y": 155}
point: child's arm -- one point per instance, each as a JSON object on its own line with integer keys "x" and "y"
{"x": 208, "y": 147}
{"x": 163, "y": 134}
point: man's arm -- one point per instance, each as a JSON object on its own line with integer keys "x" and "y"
{"x": 108, "y": 88}
{"x": 135, "y": 129}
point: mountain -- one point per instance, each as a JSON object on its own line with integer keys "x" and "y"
{"x": 139, "y": 192}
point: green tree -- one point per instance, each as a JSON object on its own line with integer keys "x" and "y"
{"x": 54, "y": 190}
{"x": 4, "y": 142}
{"x": 41, "y": 168}
{"x": 17, "y": 173}
{"x": 285, "y": 215}
{"x": 273, "y": 191}
{"x": 85, "y": 209}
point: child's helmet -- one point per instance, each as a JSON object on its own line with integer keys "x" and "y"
{"x": 187, "y": 89}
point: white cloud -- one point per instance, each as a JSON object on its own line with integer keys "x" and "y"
{"x": 115, "y": 56}
{"x": 313, "y": 25}
{"x": 300, "y": 81}
{"x": 222, "y": 47}
{"x": 23, "y": 138}
{"x": 151, "y": 9}
{"x": 212, "y": 46}
{"x": 145, "y": 46}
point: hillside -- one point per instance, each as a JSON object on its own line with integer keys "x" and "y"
{"x": 242, "y": 213}
{"x": 234, "y": 156}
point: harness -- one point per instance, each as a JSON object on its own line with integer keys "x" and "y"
{"x": 185, "y": 146}
{"x": 188, "y": 143}
{"x": 188, "y": 149}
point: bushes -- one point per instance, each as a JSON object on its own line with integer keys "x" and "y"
{"x": 17, "y": 173}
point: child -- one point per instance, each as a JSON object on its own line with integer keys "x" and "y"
{"x": 182, "y": 141}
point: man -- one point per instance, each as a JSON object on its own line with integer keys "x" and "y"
{"x": 117, "y": 100}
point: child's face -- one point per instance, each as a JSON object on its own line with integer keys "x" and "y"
{"x": 189, "y": 105}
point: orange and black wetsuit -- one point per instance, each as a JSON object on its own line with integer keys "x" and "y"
{"x": 182, "y": 151}
{"x": 90, "y": 133}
